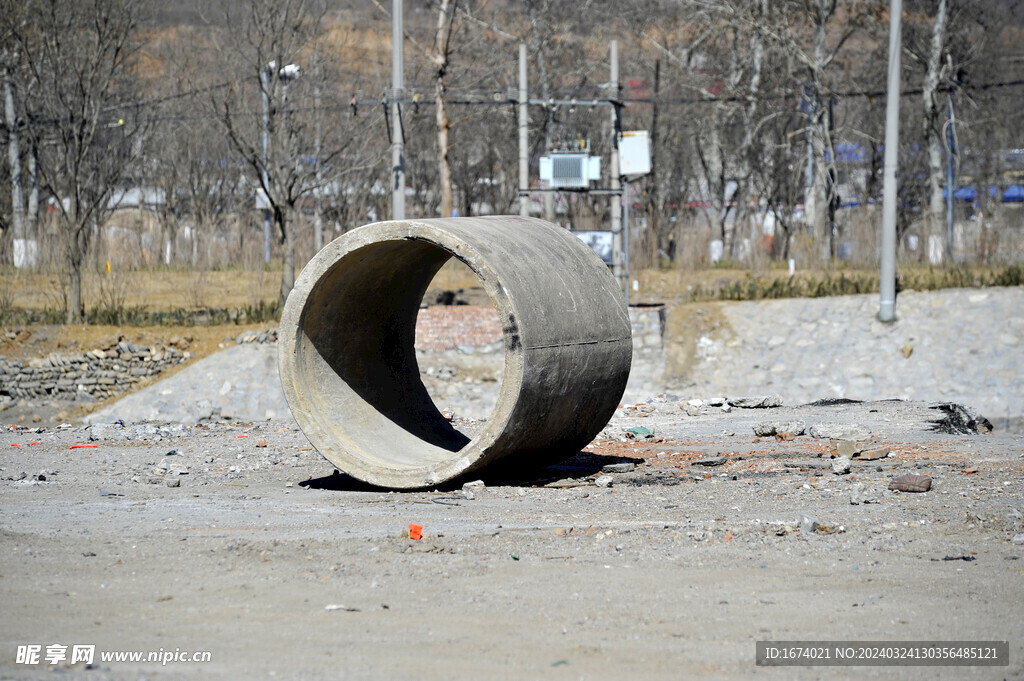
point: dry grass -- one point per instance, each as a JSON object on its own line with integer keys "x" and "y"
{"x": 153, "y": 290}
{"x": 165, "y": 290}
{"x": 119, "y": 297}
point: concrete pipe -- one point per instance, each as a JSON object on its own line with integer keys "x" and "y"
{"x": 349, "y": 368}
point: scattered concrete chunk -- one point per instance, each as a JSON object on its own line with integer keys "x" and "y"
{"x": 766, "y": 428}
{"x": 762, "y": 402}
{"x": 872, "y": 454}
{"x": 839, "y": 431}
{"x": 862, "y": 494}
{"x": 841, "y": 466}
{"x": 808, "y": 524}
{"x": 847, "y": 448}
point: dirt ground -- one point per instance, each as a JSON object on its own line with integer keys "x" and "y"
{"x": 238, "y": 540}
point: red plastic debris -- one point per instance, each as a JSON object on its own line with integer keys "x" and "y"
{"x": 415, "y": 531}
{"x": 83, "y": 446}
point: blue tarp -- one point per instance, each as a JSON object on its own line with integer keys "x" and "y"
{"x": 966, "y": 194}
{"x": 1013, "y": 194}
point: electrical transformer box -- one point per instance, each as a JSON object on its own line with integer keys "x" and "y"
{"x": 570, "y": 170}
{"x": 634, "y": 153}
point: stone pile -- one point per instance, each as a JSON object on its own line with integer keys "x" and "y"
{"x": 267, "y": 336}
{"x": 93, "y": 375}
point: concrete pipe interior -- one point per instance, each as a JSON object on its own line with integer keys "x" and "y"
{"x": 349, "y": 368}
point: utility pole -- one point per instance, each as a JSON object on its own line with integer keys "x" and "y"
{"x": 616, "y": 197}
{"x": 524, "y": 165}
{"x": 887, "y": 283}
{"x": 397, "y": 92}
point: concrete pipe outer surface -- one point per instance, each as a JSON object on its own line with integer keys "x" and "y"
{"x": 349, "y": 369}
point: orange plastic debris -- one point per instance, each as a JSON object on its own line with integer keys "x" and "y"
{"x": 415, "y": 531}
{"x": 82, "y": 446}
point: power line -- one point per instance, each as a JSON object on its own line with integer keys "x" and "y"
{"x": 493, "y": 98}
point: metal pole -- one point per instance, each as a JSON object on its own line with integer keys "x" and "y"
{"x": 625, "y": 239}
{"x": 887, "y": 284}
{"x": 950, "y": 168}
{"x": 616, "y": 199}
{"x": 397, "y": 92}
{"x": 524, "y": 165}
{"x": 265, "y": 83}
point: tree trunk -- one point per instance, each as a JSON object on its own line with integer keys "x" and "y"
{"x": 933, "y": 132}
{"x": 21, "y": 251}
{"x": 816, "y": 201}
{"x": 287, "y": 236}
{"x": 32, "y": 217}
{"x": 75, "y": 257}
{"x": 74, "y": 313}
{"x": 715, "y": 174}
{"x": 653, "y": 191}
{"x": 444, "y": 22}
{"x": 318, "y": 193}
{"x": 443, "y": 164}
{"x": 545, "y": 93}
{"x": 747, "y": 153}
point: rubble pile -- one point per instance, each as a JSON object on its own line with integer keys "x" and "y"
{"x": 95, "y": 374}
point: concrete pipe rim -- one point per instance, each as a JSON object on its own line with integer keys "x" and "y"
{"x": 327, "y": 434}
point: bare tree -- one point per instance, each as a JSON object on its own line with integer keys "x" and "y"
{"x": 80, "y": 56}
{"x": 266, "y": 46}
{"x": 722, "y": 71}
{"x": 930, "y": 123}
{"x": 830, "y": 25}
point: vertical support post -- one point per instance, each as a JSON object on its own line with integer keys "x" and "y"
{"x": 950, "y": 169}
{"x": 625, "y": 239}
{"x": 524, "y": 165}
{"x": 265, "y": 86}
{"x": 616, "y": 197}
{"x": 887, "y": 282}
{"x": 397, "y": 92}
